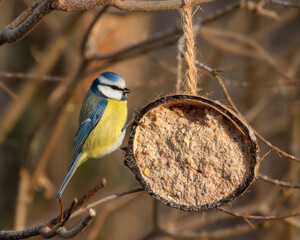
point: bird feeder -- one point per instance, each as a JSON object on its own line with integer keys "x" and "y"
{"x": 192, "y": 153}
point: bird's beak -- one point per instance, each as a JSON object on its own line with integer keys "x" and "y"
{"x": 126, "y": 90}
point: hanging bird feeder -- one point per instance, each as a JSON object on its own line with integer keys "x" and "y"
{"x": 192, "y": 153}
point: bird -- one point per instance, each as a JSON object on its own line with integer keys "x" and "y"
{"x": 102, "y": 120}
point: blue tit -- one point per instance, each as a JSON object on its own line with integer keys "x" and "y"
{"x": 102, "y": 122}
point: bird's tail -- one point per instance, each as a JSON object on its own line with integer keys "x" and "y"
{"x": 75, "y": 164}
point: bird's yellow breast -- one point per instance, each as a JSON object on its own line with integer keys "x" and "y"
{"x": 106, "y": 136}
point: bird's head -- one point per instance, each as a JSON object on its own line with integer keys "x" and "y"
{"x": 110, "y": 85}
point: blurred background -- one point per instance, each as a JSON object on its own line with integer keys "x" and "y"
{"x": 44, "y": 77}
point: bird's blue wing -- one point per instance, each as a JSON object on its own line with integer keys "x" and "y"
{"x": 87, "y": 126}
{"x": 83, "y": 132}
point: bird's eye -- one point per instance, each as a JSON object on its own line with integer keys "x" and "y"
{"x": 115, "y": 87}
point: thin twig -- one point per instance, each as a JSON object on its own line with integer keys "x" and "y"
{"x": 76, "y": 204}
{"x": 278, "y": 150}
{"x": 31, "y": 76}
{"x": 90, "y": 28}
{"x": 8, "y": 91}
{"x": 62, "y": 232}
{"x": 47, "y": 232}
{"x": 220, "y": 12}
{"x": 258, "y": 8}
{"x": 277, "y": 182}
{"x": 284, "y": 3}
{"x": 52, "y": 228}
{"x": 156, "y": 41}
{"x": 151, "y": 43}
{"x": 215, "y": 74}
{"x": 109, "y": 198}
{"x": 213, "y": 234}
{"x": 259, "y": 218}
{"x": 106, "y": 210}
{"x": 130, "y": 52}
{"x": 22, "y": 198}
{"x": 244, "y": 46}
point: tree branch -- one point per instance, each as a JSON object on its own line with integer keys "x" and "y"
{"x": 277, "y": 182}
{"x": 23, "y": 26}
{"x": 8, "y": 91}
{"x": 25, "y": 14}
{"x": 140, "y": 6}
{"x": 284, "y": 3}
{"x": 108, "y": 198}
{"x": 33, "y": 15}
{"x": 55, "y": 226}
{"x": 259, "y": 218}
{"x": 24, "y": 76}
{"x": 216, "y": 75}
{"x": 157, "y": 40}
{"x": 278, "y": 150}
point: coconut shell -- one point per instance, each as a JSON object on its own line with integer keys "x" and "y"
{"x": 192, "y": 153}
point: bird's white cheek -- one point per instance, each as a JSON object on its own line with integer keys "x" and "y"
{"x": 110, "y": 93}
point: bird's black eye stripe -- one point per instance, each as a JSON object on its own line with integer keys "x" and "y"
{"x": 115, "y": 87}
{"x": 112, "y": 86}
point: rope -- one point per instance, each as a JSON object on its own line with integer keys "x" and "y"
{"x": 179, "y": 63}
{"x": 189, "y": 55}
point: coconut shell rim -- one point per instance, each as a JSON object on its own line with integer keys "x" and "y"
{"x": 131, "y": 163}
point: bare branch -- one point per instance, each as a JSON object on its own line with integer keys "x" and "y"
{"x": 9, "y": 34}
{"x": 214, "y": 15}
{"x": 158, "y": 40}
{"x": 62, "y": 232}
{"x": 54, "y": 226}
{"x": 213, "y": 234}
{"x": 33, "y": 15}
{"x": 241, "y": 45}
{"x": 284, "y": 3}
{"x": 140, "y": 6}
{"x": 155, "y": 41}
{"x": 47, "y": 232}
{"x": 259, "y": 218}
{"x": 8, "y": 91}
{"x": 258, "y": 9}
{"x": 278, "y": 150}
{"x": 30, "y": 76}
{"x": 111, "y": 197}
{"x": 91, "y": 25}
{"x": 277, "y": 182}
{"x": 215, "y": 74}
{"x": 25, "y": 14}
{"x": 22, "y": 199}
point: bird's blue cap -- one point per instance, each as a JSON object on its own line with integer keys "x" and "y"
{"x": 114, "y": 77}
{"x": 108, "y": 78}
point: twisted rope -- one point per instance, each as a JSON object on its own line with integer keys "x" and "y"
{"x": 189, "y": 55}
